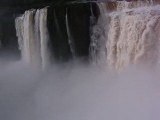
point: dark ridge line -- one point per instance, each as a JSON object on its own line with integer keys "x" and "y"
{"x": 51, "y": 4}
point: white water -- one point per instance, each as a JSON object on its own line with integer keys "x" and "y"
{"x": 33, "y": 37}
{"x": 37, "y": 37}
{"x": 133, "y": 34}
{"x": 44, "y": 37}
{"x": 128, "y": 35}
{"x": 20, "y": 30}
{"x": 98, "y": 37}
{"x": 29, "y": 44}
{"x": 121, "y": 5}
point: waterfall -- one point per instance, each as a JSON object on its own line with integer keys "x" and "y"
{"x": 98, "y": 36}
{"x": 37, "y": 37}
{"x": 29, "y": 44}
{"x": 132, "y": 34}
{"x": 33, "y": 37}
{"x": 20, "y": 31}
{"x": 122, "y": 5}
{"x": 70, "y": 39}
{"x": 44, "y": 38}
{"x": 124, "y": 34}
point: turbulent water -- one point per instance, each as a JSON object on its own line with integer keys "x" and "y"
{"x": 125, "y": 35}
{"x": 131, "y": 34}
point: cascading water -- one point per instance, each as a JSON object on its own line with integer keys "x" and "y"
{"x": 33, "y": 37}
{"x": 123, "y": 36}
{"x": 29, "y": 44}
{"x": 20, "y": 30}
{"x": 98, "y": 36}
{"x": 44, "y": 39}
{"x": 132, "y": 35}
{"x": 121, "y": 5}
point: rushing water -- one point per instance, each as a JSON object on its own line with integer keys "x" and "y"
{"x": 127, "y": 35}
{"x": 131, "y": 34}
{"x": 33, "y": 37}
{"x": 122, "y": 35}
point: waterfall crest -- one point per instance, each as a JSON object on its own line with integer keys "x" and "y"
{"x": 121, "y": 5}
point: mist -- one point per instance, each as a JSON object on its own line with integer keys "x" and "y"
{"x": 77, "y": 91}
